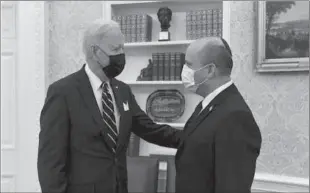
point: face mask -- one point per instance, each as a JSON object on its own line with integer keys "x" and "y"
{"x": 188, "y": 78}
{"x": 116, "y": 66}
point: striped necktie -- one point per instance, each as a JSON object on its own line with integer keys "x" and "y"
{"x": 108, "y": 116}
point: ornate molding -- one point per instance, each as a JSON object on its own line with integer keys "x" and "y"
{"x": 276, "y": 183}
{"x": 279, "y": 102}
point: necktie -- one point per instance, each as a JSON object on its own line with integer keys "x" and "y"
{"x": 108, "y": 116}
{"x": 194, "y": 115}
{"x": 197, "y": 110}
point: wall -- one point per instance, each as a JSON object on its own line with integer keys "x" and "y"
{"x": 68, "y": 20}
{"x": 280, "y": 102}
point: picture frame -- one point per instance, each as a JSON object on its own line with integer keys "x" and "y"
{"x": 275, "y": 50}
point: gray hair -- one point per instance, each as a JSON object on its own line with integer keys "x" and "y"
{"x": 95, "y": 33}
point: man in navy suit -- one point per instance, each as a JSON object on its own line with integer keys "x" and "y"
{"x": 87, "y": 120}
{"x": 221, "y": 139}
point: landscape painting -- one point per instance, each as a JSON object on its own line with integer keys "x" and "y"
{"x": 284, "y": 34}
{"x": 287, "y": 29}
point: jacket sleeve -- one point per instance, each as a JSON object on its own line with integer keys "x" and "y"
{"x": 147, "y": 129}
{"x": 237, "y": 146}
{"x": 53, "y": 143}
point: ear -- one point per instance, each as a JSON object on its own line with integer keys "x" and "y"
{"x": 211, "y": 68}
{"x": 92, "y": 50}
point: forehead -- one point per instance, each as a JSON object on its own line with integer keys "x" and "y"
{"x": 111, "y": 40}
{"x": 192, "y": 54}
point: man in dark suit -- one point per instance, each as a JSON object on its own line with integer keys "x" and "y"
{"x": 87, "y": 120}
{"x": 221, "y": 139}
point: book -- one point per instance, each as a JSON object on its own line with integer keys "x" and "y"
{"x": 145, "y": 28}
{"x": 161, "y": 66}
{"x": 118, "y": 19}
{"x": 133, "y": 28}
{"x": 172, "y": 66}
{"x": 170, "y": 172}
{"x": 204, "y": 23}
{"x": 167, "y": 66}
{"x": 149, "y": 28}
{"x": 214, "y": 22}
{"x": 123, "y": 25}
{"x": 155, "y": 66}
{"x": 220, "y": 22}
{"x": 189, "y": 25}
{"x": 139, "y": 28}
{"x": 194, "y": 25}
{"x": 179, "y": 61}
{"x": 127, "y": 29}
{"x": 209, "y": 22}
{"x": 199, "y": 24}
{"x": 162, "y": 176}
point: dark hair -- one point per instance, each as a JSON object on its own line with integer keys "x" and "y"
{"x": 230, "y": 61}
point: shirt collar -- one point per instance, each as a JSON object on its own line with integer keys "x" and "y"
{"x": 216, "y": 92}
{"x": 93, "y": 78}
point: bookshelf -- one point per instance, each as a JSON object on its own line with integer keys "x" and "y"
{"x": 138, "y": 53}
{"x": 148, "y": 44}
{"x": 129, "y": 2}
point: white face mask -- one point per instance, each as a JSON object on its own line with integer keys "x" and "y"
{"x": 188, "y": 78}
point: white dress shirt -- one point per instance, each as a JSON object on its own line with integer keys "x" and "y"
{"x": 95, "y": 83}
{"x": 213, "y": 94}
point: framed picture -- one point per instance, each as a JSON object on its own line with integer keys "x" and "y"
{"x": 283, "y": 36}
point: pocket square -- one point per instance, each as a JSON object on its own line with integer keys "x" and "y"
{"x": 126, "y": 106}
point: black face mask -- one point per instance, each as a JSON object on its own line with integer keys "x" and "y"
{"x": 116, "y": 66}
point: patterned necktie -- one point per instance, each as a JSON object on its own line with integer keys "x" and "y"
{"x": 108, "y": 115}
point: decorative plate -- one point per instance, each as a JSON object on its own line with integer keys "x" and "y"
{"x": 165, "y": 105}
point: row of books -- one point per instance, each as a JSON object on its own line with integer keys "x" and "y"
{"x": 136, "y": 28}
{"x": 167, "y": 66}
{"x": 204, "y": 23}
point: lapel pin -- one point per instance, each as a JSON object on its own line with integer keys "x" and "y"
{"x": 210, "y": 108}
{"x": 116, "y": 87}
{"x": 126, "y": 106}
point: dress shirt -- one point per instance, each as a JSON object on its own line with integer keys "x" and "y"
{"x": 213, "y": 94}
{"x": 95, "y": 83}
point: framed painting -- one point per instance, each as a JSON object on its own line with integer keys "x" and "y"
{"x": 283, "y": 36}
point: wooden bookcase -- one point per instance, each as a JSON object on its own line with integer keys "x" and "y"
{"x": 138, "y": 53}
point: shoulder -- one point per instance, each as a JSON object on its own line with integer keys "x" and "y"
{"x": 235, "y": 105}
{"x": 122, "y": 85}
{"x": 65, "y": 84}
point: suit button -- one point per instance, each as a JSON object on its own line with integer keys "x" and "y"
{"x": 115, "y": 160}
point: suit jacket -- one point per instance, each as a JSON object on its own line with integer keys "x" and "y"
{"x": 220, "y": 147}
{"x": 73, "y": 154}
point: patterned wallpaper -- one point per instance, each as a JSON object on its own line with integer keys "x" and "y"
{"x": 280, "y": 101}
{"x": 67, "y": 22}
